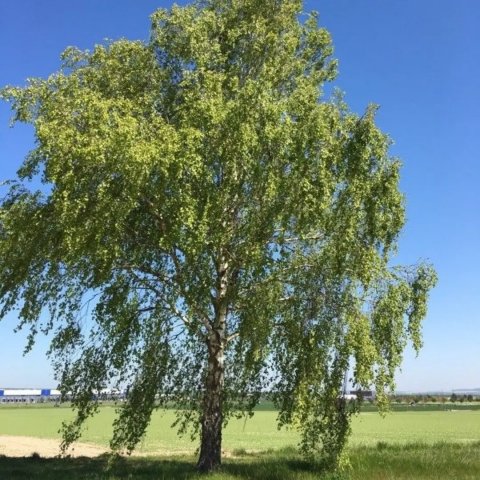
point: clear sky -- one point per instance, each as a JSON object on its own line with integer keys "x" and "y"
{"x": 418, "y": 59}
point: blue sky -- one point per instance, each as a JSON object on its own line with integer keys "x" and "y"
{"x": 418, "y": 59}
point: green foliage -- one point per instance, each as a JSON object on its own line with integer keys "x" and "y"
{"x": 199, "y": 190}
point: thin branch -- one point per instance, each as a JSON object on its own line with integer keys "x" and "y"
{"x": 180, "y": 282}
{"x": 232, "y": 337}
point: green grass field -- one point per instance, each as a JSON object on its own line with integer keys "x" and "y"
{"x": 256, "y": 434}
{"x": 403, "y": 445}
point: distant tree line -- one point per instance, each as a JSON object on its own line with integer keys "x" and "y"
{"x": 433, "y": 398}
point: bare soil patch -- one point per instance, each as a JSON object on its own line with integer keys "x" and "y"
{"x": 16, "y": 446}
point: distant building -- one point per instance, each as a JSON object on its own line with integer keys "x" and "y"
{"x": 41, "y": 395}
{"x": 363, "y": 394}
{"x": 28, "y": 395}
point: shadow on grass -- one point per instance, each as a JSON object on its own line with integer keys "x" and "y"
{"x": 93, "y": 468}
{"x": 269, "y": 466}
{"x": 416, "y": 461}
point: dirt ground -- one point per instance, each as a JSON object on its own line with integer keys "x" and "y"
{"x": 15, "y": 446}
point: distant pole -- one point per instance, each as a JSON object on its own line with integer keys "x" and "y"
{"x": 345, "y": 380}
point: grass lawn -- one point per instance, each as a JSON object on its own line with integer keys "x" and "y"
{"x": 412, "y": 462}
{"x": 258, "y": 433}
{"x": 403, "y": 445}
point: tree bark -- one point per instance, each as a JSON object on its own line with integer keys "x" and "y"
{"x": 211, "y": 424}
{"x": 212, "y": 418}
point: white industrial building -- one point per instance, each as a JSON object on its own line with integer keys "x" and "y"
{"x": 41, "y": 395}
{"x": 28, "y": 395}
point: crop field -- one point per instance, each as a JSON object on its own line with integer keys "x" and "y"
{"x": 253, "y": 435}
{"x": 402, "y": 445}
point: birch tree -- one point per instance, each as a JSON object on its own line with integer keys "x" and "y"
{"x": 210, "y": 226}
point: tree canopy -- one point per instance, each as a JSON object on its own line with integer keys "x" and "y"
{"x": 210, "y": 227}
